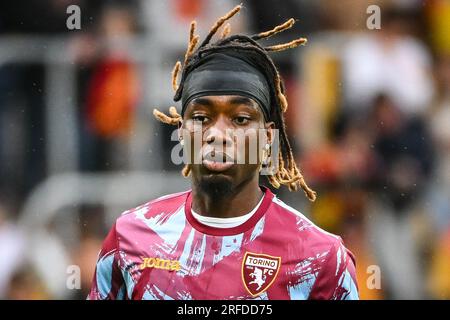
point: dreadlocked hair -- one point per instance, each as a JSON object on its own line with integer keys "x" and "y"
{"x": 287, "y": 173}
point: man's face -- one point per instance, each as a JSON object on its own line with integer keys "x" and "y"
{"x": 226, "y": 135}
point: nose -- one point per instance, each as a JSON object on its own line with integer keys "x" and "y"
{"x": 219, "y": 133}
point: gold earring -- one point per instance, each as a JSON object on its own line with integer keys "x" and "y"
{"x": 266, "y": 156}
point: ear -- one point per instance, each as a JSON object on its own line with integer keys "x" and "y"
{"x": 180, "y": 130}
{"x": 269, "y": 126}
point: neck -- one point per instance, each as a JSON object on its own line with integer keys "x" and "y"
{"x": 242, "y": 200}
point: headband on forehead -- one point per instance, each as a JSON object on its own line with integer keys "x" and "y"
{"x": 227, "y": 74}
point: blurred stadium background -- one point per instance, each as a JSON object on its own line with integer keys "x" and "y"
{"x": 369, "y": 116}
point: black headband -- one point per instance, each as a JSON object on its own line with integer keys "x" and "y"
{"x": 227, "y": 73}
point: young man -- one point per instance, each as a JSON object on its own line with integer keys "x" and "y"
{"x": 228, "y": 237}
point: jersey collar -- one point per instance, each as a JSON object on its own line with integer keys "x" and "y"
{"x": 250, "y": 223}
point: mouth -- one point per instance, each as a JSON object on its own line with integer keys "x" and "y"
{"x": 217, "y": 161}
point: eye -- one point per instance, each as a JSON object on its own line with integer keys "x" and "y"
{"x": 199, "y": 118}
{"x": 241, "y": 120}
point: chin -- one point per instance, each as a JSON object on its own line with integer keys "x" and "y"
{"x": 216, "y": 184}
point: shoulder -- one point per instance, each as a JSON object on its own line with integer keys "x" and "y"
{"x": 334, "y": 264}
{"x": 321, "y": 254}
{"x": 304, "y": 228}
{"x": 162, "y": 207}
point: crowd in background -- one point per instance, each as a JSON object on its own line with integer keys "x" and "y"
{"x": 369, "y": 117}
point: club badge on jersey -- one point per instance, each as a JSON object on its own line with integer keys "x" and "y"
{"x": 259, "y": 272}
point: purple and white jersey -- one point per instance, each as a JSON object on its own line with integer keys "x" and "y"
{"x": 160, "y": 251}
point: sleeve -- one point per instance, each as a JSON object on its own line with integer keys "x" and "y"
{"x": 336, "y": 279}
{"x": 108, "y": 283}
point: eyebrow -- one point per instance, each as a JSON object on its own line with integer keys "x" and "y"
{"x": 202, "y": 101}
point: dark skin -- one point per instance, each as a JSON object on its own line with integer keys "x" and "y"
{"x": 231, "y": 190}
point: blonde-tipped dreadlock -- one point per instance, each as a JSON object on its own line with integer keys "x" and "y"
{"x": 264, "y": 35}
{"x": 288, "y": 173}
{"x": 226, "y": 31}
{"x": 175, "y": 71}
{"x": 289, "y": 45}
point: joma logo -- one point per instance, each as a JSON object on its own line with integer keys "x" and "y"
{"x": 171, "y": 265}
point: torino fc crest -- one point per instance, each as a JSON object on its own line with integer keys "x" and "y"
{"x": 259, "y": 272}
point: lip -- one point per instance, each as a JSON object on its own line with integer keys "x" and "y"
{"x": 217, "y": 166}
{"x": 217, "y": 162}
